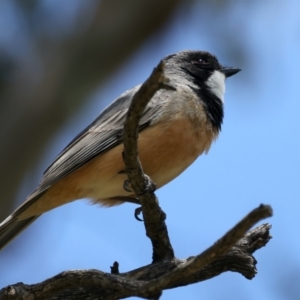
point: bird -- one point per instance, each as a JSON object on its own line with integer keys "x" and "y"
{"x": 176, "y": 127}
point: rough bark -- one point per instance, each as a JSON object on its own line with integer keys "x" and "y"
{"x": 144, "y": 282}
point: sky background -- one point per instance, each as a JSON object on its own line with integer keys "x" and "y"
{"x": 255, "y": 160}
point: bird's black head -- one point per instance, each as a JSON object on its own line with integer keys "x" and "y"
{"x": 206, "y": 76}
{"x": 199, "y": 64}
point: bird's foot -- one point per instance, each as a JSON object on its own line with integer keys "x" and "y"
{"x": 150, "y": 186}
{"x": 127, "y": 186}
{"x": 137, "y": 212}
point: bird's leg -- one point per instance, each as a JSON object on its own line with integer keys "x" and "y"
{"x": 150, "y": 187}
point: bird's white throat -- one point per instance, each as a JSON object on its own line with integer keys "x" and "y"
{"x": 216, "y": 83}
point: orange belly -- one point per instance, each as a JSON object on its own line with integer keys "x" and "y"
{"x": 165, "y": 151}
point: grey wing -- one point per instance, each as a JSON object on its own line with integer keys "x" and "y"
{"x": 100, "y": 136}
{"x": 103, "y": 134}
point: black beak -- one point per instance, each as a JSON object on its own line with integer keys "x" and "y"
{"x": 229, "y": 71}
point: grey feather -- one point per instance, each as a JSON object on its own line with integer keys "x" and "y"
{"x": 100, "y": 136}
{"x": 12, "y": 227}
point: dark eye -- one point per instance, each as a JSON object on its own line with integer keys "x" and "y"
{"x": 202, "y": 61}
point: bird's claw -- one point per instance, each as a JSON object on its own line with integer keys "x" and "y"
{"x": 137, "y": 212}
{"x": 150, "y": 186}
{"x": 127, "y": 186}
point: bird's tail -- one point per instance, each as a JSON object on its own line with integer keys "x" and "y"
{"x": 16, "y": 223}
{"x": 11, "y": 227}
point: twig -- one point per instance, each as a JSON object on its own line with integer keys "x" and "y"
{"x": 154, "y": 218}
{"x": 221, "y": 247}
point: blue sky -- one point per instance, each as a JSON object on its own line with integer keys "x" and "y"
{"x": 255, "y": 160}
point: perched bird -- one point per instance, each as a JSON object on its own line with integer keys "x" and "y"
{"x": 176, "y": 127}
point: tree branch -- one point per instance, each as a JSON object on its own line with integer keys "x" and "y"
{"x": 95, "y": 284}
{"x": 154, "y": 217}
{"x": 220, "y": 248}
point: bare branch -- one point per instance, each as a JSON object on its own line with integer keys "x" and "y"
{"x": 99, "y": 285}
{"x": 154, "y": 218}
{"x": 220, "y": 248}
